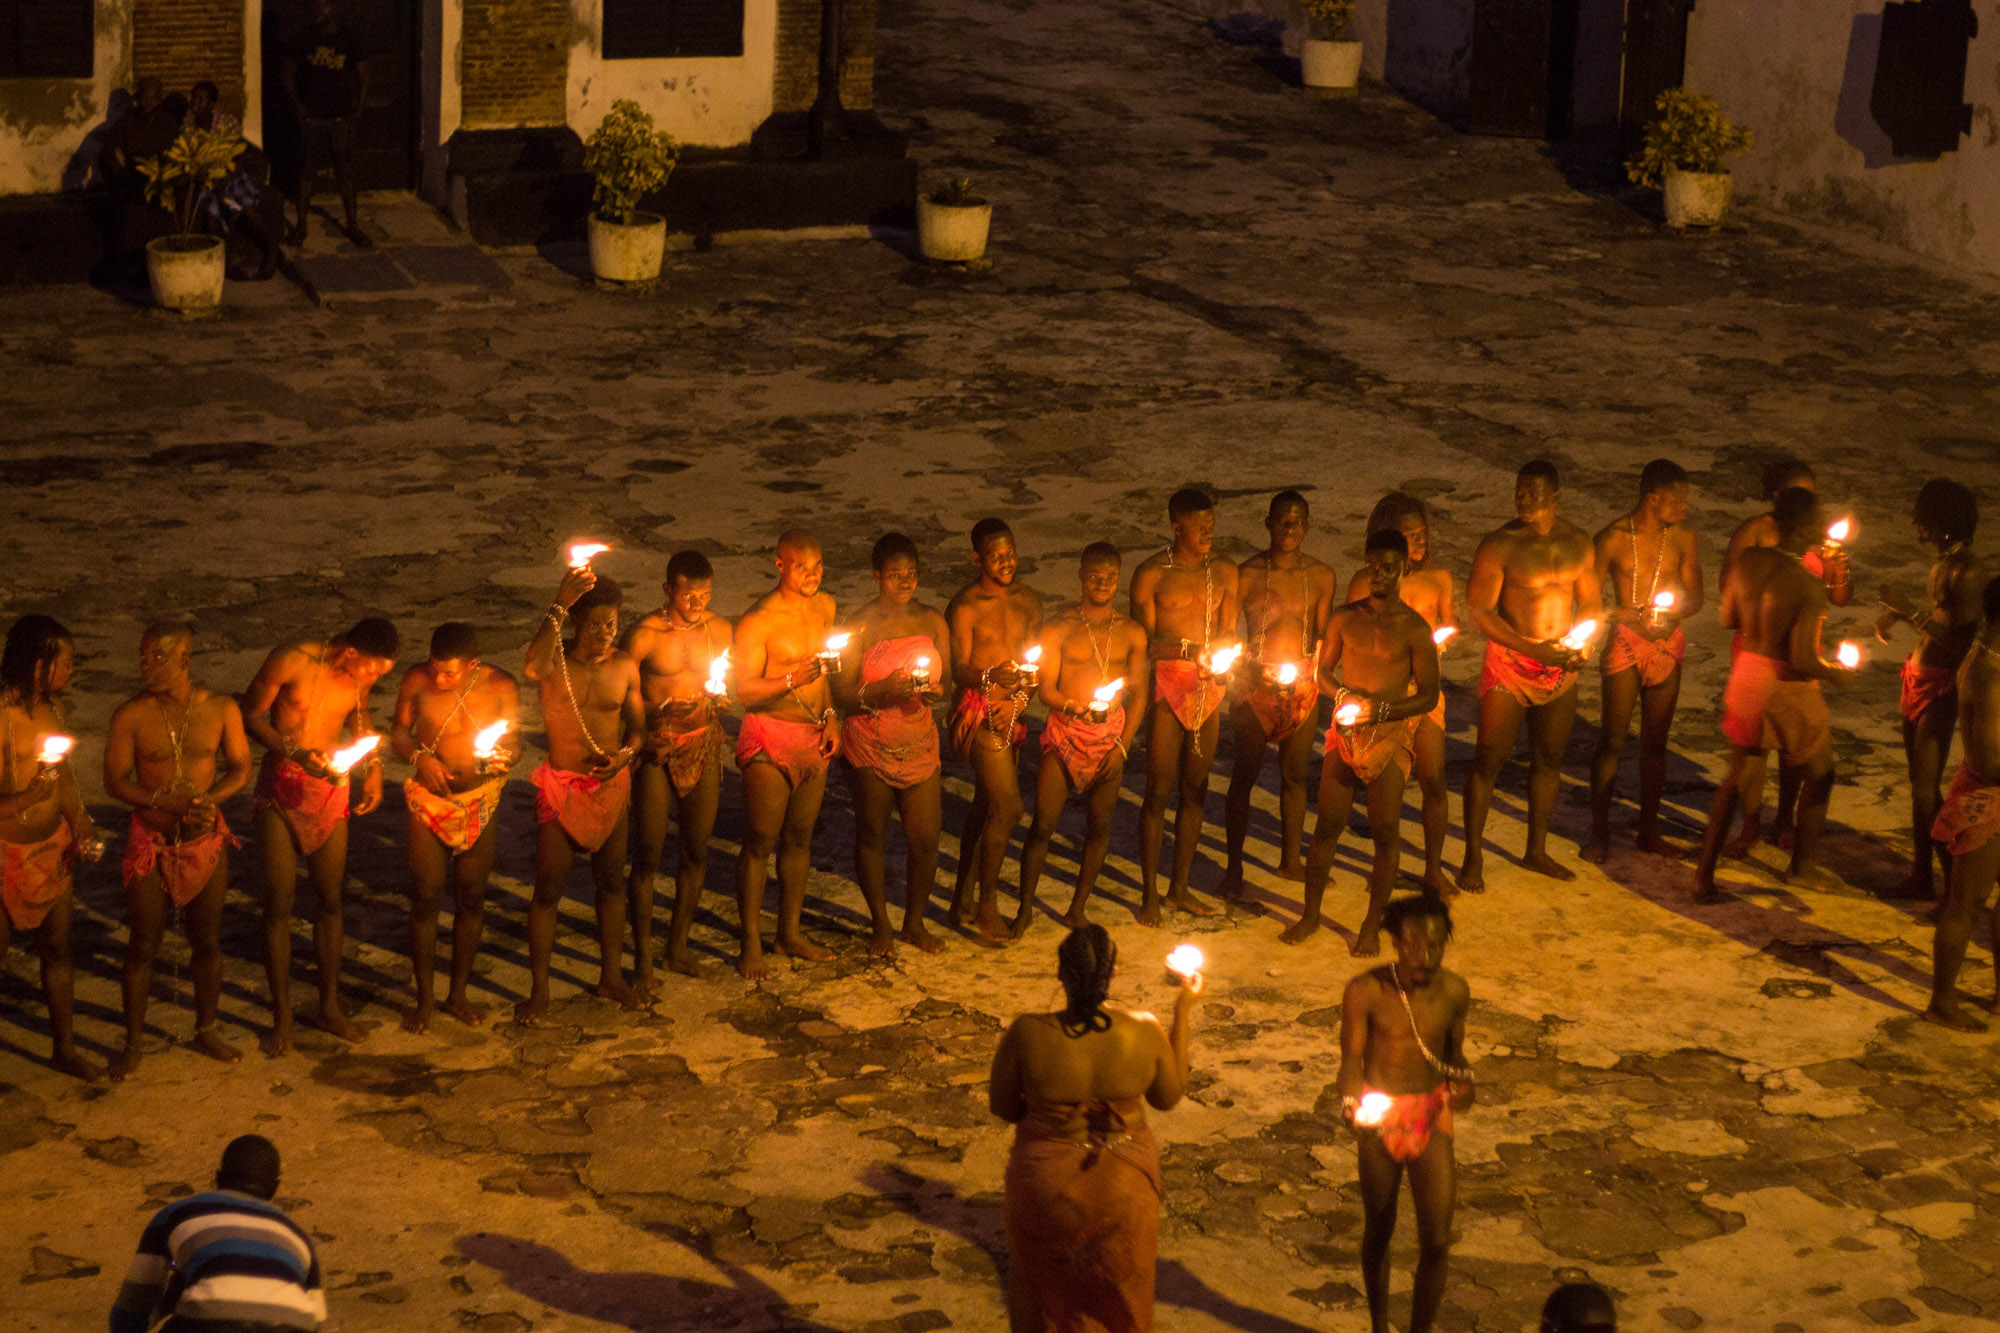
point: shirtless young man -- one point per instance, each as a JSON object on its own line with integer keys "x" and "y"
{"x": 1642, "y": 556}
{"x": 790, "y": 735}
{"x": 305, "y": 698}
{"x": 1967, "y": 822}
{"x": 1946, "y": 515}
{"x": 1402, "y": 1035}
{"x": 894, "y": 668}
{"x": 1286, "y": 597}
{"x": 1429, "y": 593}
{"x": 43, "y": 825}
{"x": 1828, "y": 563}
{"x": 1186, "y": 600}
{"x": 442, "y": 706}
{"x": 175, "y": 752}
{"x": 1378, "y": 655}
{"x": 993, "y": 622}
{"x": 681, "y": 767}
{"x": 1084, "y": 648}
{"x": 1774, "y": 683}
{"x": 594, "y": 716}
{"x": 1531, "y": 582}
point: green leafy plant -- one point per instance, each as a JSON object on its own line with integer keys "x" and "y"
{"x": 1330, "y": 20}
{"x": 1689, "y": 133}
{"x": 630, "y": 160}
{"x": 955, "y": 193}
{"x": 194, "y": 165}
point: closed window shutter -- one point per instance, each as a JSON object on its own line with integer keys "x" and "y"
{"x": 46, "y": 39}
{"x": 655, "y": 29}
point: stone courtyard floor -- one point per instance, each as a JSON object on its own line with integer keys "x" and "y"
{"x": 1731, "y": 1116}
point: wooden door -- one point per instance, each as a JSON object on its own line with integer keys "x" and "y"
{"x": 1655, "y": 60}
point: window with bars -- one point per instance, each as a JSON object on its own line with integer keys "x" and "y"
{"x": 46, "y": 39}
{"x": 652, "y": 29}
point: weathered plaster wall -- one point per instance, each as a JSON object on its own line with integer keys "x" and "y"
{"x": 1819, "y": 152}
{"x": 45, "y": 123}
{"x": 712, "y": 100}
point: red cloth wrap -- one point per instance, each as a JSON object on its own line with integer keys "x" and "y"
{"x": 1369, "y": 751}
{"x": 689, "y": 754}
{"x": 1282, "y": 709}
{"x": 185, "y": 867}
{"x": 1178, "y": 684}
{"x": 589, "y": 809}
{"x": 792, "y": 746}
{"x": 1531, "y": 683}
{"x": 312, "y": 807}
{"x": 1656, "y": 659}
{"x": 1084, "y": 748}
{"x": 457, "y": 820}
{"x": 1767, "y": 705}
{"x": 1970, "y": 815}
{"x": 1924, "y": 686}
{"x": 898, "y": 744}
{"x": 1083, "y": 1219}
{"x": 35, "y": 875}
{"x": 1411, "y": 1119}
{"x": 972, "y": 711}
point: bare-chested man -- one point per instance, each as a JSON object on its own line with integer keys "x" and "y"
{"x": 790, "y": 735}
{"x": 1187, "y": 601}
{"x": 1827, "y": 562}
{"x": 1402, "y": 1077}
{"x": 1084, "y": 750}
{"x": 681, "y": 774}
{"x": 443, "y": 705}
{"x": 895, "y": 667}
{"x": 43, "y": 825}
{"x": 1286, "y": 597}
{"x": 1380, "y": 668}
{"x": 1429, "y": 592}
{"x": 1531, "y": 582}
{"x": 175, "y": 752}
{"x": 1777, "y": 606}
{"x": 1967, "y": 822}
{"x": 993, "y": 621}
{"x": 594, "y": 716}
{"x": 305, "y": 698}
{"x": 1650, "y": 564}
{"x": 1946, "y": 516}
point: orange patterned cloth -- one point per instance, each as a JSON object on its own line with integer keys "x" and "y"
{"x": 35, "y": 875}
{"x": 589, "y": 809}
{"x": 1924, "y": 686}
{"x": 1368, "y": 751}
{"x": 1179, "y": 685}
{"x": 1084, "y": 748}
{"x": 898, "y": 744}
{"x": 972, "y": 711}
{"x": 792, "y": 746}
{"x": 689, "y": 754}
{"x": 1281, "y": 710}
{"x": 1767, "y": 705}
{"x": 457, "y": 820}
{"x": 1411, "y": 1120}
{"x": 1970, "y": 815}
{"x": 1531, "y": 683}
{"x": 312, "y": 807}
{"x": 1656, "y": 659}
{"x": 185, "y": 866}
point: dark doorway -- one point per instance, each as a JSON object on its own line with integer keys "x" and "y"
{"x": 1523, "y": 73}
{"x": 386, "y": 138}
{"x": 1656, "y": 33}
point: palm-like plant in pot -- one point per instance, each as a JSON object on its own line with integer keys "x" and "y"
{"x": 628, "y": 160}
{"x": 1684, "y": 155}
{"x": 185, "y": 268}
{"x": 1330, "y": 59}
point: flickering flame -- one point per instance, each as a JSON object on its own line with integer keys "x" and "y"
{"x": 1374, "y": 1106}
{"x": 1348, "y": 714}
{"x": 1664, "y": 601}
{"x": 54, "y": 747}
{"x": 1444, "y": 634}
{"x": 1840, "y": 531}
{"x": 718, "y": 673}
{"x": 487, "y": 741}
{"x": 921, "y": 668}
{"x": 582, "y": 553}
{"x": 1288, "y": 673}
{"x": 1033, "y": 657}
{"x": 1580, "y": 634}
{"x": 1185, "y": 960}
{"x": 1106, "y": 695}
{"x": 1848, "y": 654}
{"x": 1222, "y": 659}
{"x": 836, "y": 643}
{"x": 343, "y": 760}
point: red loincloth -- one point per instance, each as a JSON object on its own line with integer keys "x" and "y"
{"x": 898, "y": 744}
{"x": 456, "y": 820}
{"x": 972, "y": 712}
{"x": 1179, "y": 685}
{"x": 1083, "y": 1220}
{"x": 1970, "y": 815}
{"x": 312, "y": 807}
{"x": 35, "y": 875}
{"x": 589, "y": 809}
{"x": 792, "y": 746}
{"x": 1924, "y": 686}
{"x": 1084, "y": 748}
{"x": 185, "y": 867}
{"x": 1410, "y": 1121}
{"x": 1656, "y": 659}
{"x": 687, "y": 755}
{"x": 1368, "y": 751}
{"x": 1766, "y": 705}
{"x": 1531, "y": 683}
{"x": 1281, "y": 710}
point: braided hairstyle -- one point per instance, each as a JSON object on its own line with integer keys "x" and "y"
{"x": 1083, "y": 964}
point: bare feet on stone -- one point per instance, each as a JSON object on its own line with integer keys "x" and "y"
{"x": 615, "y": 990}
{"x": 1149, "y": 912}
{"x": 1654, "y": 844}
{"x": 278, "y": 1041}
{"x": 1815, "y": 877}
{"x": 1438, "y": 883}
{"x": 1952, "y": 1015}
{"x": 124, "y": 1064}
{"x": 1596, "y": 851}
{"x": 798, "y": 946}
{"x": 1076, "y": 920}
{"x": 1185, "y": 900}
{"x": 532, "y": 1010}
{"x": 1292, "y": 872}
{"x": 1367, "y": 944}
{"x": 464, "y": 1010}
{"x": 988, "y": 929}
{"x": 1544, "y": 864}
{"x": 1301, "y": 930}
{"x": 1231, "y": 888}
{"x": 215, "y": 1048}
{"x": 882, "y": 944}
{"x": 684, "y": 964}
{"x": 918, "y": 937}
{"x": 336, "y": 1024}
{"x": 1472, "y": 875}
{"x": 417, "y": 1018}
{"x": 67, "y": 1061}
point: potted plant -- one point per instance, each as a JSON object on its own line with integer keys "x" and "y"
{"x": 185, "y": 269}
{"x": 630, "y": 160}
{"x": 1330, "y": 60}
{"x": 1683, "y": 154}
{"x": 952, "y": 222}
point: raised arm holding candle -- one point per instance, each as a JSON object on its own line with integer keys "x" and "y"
{"x": 457, "y": 722}
{"x": 1649, "y": 564}
{"x": 306, "y": 697}
{"x": 1095, "y": 691}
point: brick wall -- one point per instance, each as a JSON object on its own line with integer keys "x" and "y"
{"x": 181, "y": 41}
{"x": 797, "y": 77}
{"x": 515, "y": 64}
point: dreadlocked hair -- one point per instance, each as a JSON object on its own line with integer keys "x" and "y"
{"x": 1083, "y": 965}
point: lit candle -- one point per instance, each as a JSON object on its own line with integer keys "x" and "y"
{"x": 1848, "y": 654}
{"x": 1185, "y": 961}
{"x": 1287, "y": 674}
{"x": 829, "y": 656}
{"x": 1580, "y": 634}
{"x": 1444, "y": 634}
{"x": 1373, "y": 1108}
{"x": 1348, "y": 714}
{"x": 487, "y": 741}
{"x": 582, "y": 553}
{"x": 55, "y": 747}
{"x": 1839, "y": 532}
{"x": 1103, "y": 697}
{"x": 345, "y": 759}
{"x": 718, "y": 674}
{"x": 920, "y": 672}
{"x": 1222, "y": 659}
{"x": 1663, "y": 603}
{"x": 1030, "y": 667}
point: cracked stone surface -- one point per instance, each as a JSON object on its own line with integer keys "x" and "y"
{"x": 1732, "y": 1117}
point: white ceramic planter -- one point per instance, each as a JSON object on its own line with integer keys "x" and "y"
{"x": 1697, "y": 198}
{"x": 630, "y": 252}
{"x": 185, "y": 272}
{"x": 955, "y": 233}
{"x": 1330, "y": 67}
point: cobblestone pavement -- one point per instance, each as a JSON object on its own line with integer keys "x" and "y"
{"x": 1731, "y": 1116}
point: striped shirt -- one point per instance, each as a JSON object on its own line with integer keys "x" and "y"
{"x": 222, "y": 1256}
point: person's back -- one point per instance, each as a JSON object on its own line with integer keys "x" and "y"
{"x": 1772, "y": 591}
{"x": 1083, "y": 1072}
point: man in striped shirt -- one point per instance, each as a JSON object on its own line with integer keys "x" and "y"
{"x": 228, "y": 1261}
